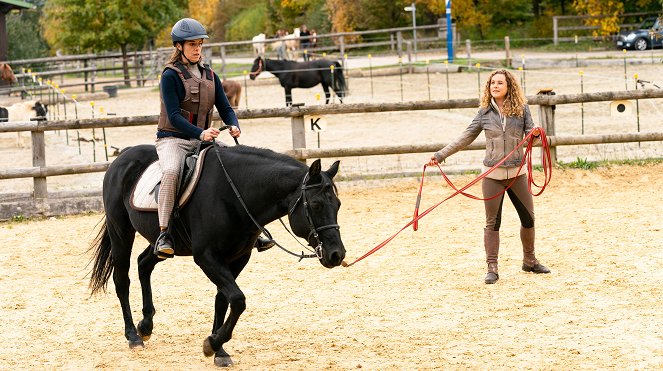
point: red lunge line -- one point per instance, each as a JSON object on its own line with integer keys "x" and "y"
{"x": 527, "y": 159}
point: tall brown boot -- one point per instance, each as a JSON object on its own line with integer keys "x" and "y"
{"x": 491, "y": 241}
{"x": 530, "y": 264}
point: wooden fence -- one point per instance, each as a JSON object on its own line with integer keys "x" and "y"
{"x": 147, "y": 65}
{"x": 40, "y": 204}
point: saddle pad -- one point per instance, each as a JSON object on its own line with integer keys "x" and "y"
{"x": 143, "y": 196}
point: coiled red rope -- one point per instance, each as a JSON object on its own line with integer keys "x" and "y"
{"x": 529, "y": 140}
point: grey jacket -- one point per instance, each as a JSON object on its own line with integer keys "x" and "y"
{"x": 499, "y": 140}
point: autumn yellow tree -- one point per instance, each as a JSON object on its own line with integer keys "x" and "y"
{"x": 604, "y": 14}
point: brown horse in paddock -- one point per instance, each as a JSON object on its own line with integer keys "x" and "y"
{"x": 6, "y": 74}
{"x": 233, "y": 90}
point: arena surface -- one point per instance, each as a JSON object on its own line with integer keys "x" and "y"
{"x": 418, "y": 303}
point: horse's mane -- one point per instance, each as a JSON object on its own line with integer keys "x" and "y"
{"x": 288, "y": 64}
{"x": 262, "y": 166}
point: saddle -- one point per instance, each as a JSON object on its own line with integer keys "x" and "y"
{"x": 145, "y": 194}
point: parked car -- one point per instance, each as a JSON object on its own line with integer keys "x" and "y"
{"x": 642, "y": 38}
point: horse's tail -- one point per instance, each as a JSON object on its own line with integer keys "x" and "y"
{"x": 339, "y": 85}
{"x": 102, "y": 260}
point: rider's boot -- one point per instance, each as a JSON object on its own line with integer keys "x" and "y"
{"x": 530, "y": 264}
{"x": 491, "y": 241}
{"x": 263, "y": 244}
{"x": 163, "y": 247}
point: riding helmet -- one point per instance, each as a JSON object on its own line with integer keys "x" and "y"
{"x": 188, "y": 29}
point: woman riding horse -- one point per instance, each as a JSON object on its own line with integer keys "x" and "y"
{"x": 189, "y": 92}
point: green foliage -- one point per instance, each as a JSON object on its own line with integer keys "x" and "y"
{"x": 98, "y": 25}
{"x": 247, "y": 23}
{"x": 582, "y": 163}
{"x": 20, "y": 218}
{"x": 24, "y": 35}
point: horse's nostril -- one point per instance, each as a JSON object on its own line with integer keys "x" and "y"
{"x": 336, "y": 258}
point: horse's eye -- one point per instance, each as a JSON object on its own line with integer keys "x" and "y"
{"x": 315, "y": 205}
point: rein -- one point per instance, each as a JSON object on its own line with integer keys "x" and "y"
{"x": 318, "y": 249}
{"x": 527, "y": 159}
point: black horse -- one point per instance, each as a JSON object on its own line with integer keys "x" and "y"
{"x": 214, "y": 227}
{"x": 304, "y": 75}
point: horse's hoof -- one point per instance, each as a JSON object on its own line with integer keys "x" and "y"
{"x": 136, "y": 344}
{"x": 208, "y": 351}
{"x": 143, "y": 333}
{"x": 223, "y": 361}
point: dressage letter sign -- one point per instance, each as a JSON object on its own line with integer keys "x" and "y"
{"x": 317, "y": 123}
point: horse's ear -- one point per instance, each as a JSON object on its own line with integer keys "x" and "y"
{"x": 315, "y": 169}
{"x": 333, "y": 169}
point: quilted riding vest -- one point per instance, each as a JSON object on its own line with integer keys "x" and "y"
{"x": 198, "y": 100}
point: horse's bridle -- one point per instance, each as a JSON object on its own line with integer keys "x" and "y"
{"x": 259, "y": 70}
{"x": 302, "y": 196}
{"x": 313, "y": 230}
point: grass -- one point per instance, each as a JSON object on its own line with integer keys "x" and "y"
{"x": 584, "y": 164}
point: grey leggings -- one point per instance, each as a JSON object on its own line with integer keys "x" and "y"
{"x": 519, "y": 195}
{"x": 171, "y": 153}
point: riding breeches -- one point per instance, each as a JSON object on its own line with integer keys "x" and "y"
{"x": 171, "y": 153}
{"x": 519, "y": 195}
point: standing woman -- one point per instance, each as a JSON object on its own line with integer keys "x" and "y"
{"x": 189, "y": 93}
{"x": 505, "y": 119}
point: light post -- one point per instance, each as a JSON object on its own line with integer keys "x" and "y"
{"x": 412, "y": 8}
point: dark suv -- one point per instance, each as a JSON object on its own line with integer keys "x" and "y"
{"x": 642, "y": 39}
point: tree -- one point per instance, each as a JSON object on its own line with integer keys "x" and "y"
{"x": 604, "y": 14}
{"x": 99, "y": 25}
{"x": 24, "y": 34}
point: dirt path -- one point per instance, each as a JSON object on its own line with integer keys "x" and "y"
{"x": 419, "y": 303}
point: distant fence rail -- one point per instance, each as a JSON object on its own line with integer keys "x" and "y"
{"x": 39, "y": 202}
{"x": 147, "y": 65}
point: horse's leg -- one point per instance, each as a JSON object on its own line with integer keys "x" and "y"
{"x": 222, "y": 276}
{"x": 221, "y": 357}
{"x": 122, "y": 239}
{"x": 146, "y": 262}
{"x": 288, "y": 97}
{"x": 325, "y": 87}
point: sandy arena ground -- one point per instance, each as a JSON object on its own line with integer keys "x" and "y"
{"x": 419, "y": 303}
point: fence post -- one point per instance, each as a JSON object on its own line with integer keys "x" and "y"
{"x": 547, "y": 117}
{"x": 93, "y": 75}
{"x": 85, "y": 65}
{"x": 410, "y": 68}
{"x": 399, "y": 43}
{"x": 223, "y": 61}
{"x": 391, "y": 42}
{"x": 507, "y": 48}
{"x": 555, "y": 30}
{"x": 39, "y": 160}
{"x": 468, "y": 49}
{"x": 298, "y": 132}
{"x": 341, "y": 42}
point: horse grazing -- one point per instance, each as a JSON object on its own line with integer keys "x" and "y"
{"x": 258, "y": 42}
{"x": 233, "y": 90}
{"x": 303, "y": 75}
{"x": 214, "y": 226}
{"x": 7, "y": 76}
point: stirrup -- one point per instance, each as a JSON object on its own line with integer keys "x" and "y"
{"x": 163, "y": 247}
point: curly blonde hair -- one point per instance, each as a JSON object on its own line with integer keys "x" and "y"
{"x": 514, "y": 101}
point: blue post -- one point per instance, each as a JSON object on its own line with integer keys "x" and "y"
{"x": 450, "y": 37}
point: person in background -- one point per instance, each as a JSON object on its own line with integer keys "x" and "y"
{"x": 189, "y": 92}
{"x": 504, "y": 118}
{"x": 305, "y": 43}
